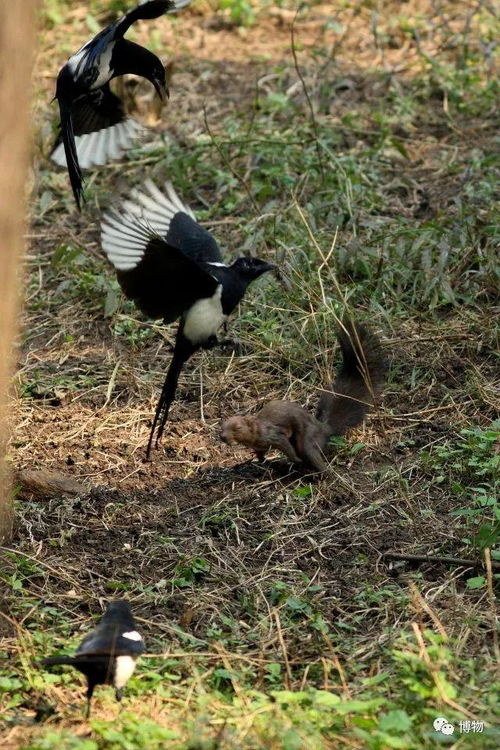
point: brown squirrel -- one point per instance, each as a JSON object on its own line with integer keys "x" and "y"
{"x": 289, "y": 427}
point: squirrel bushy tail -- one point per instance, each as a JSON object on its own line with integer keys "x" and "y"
{"x": 359, "y": 381}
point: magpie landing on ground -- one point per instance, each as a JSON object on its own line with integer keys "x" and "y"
{"x": 107, "y": 655}
{"x": 94, "y": 126}
{"x": 172, "y": 268}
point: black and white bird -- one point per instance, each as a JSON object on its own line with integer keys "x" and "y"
{"x": 94, "y": 126}
{"x": 107, "y": 655}
{"x": 173, "y": 269}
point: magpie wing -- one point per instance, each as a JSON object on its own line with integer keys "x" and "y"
{"x": 85, "y": 62}
{"x": 102, "y": 129}
{"x": 162, "y": 280}
{"x": 109, "y": 641}
{"x": 167, "y": 215}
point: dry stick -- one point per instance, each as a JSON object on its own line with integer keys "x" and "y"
{"x": 436, "y": 558}
{"x": 436, "y": 677}
{"x": 338, "y": 666}
{"x": 491, "y": 598}
{"x": 288, "y": 675}
{"x": 308, "y": 98}
{"x": 419, "y": 601}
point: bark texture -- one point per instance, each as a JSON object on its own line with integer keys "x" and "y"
{"x": 17, "y": 41}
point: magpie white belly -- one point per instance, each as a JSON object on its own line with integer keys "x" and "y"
{"x": 124, "y": 669}
{"x": 204, "y": 318}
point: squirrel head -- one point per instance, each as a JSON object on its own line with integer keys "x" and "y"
{"x": 238, "y": 430}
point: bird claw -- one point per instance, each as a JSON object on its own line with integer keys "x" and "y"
{"x": 238, "y": 347}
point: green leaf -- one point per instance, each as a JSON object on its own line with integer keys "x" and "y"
{"x": 397, "y": 720}
{"x": 303, "y": 491}
{"x": 347, "y": 707}
{"x": 111, "y": 303}
{"x": 324, "y": 698}
{"x": 476, "y": 583}
{"x": 9, "y": 684}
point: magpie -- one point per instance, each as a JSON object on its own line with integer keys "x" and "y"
{"x": 107, "y": 655}
{"x": 172, "y": 268}
{"x": 94, "y": 126}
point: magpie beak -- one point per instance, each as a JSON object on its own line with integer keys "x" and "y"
{"x": 161, "y": 88}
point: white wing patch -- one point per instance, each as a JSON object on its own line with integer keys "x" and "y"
{"x": 76, "y": 63}
{"x": 96, "y": 149}
{"x": 124, "y": 239}
{"x": 75, "y": 60}
{"x": 132, "y": 635}
{"x": 204, "y": 318}
{"x": 154, "y": 208}
{"x": 104, "y": 64}
{"x": 126, "y": 232}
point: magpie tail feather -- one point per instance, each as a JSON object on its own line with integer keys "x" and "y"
{"x": 68, "y": 136}
{"x": 148, "y": 9}
{"x": 53, "y": 660}
{"x": 156, "y": 8}
{"x": 182, "y": 352}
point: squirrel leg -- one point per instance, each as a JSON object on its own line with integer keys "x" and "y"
{"x": 283, "y": 444}
{"x": 311, "y": 450}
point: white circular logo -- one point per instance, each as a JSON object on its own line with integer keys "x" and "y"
{"x": 439, "y": 723}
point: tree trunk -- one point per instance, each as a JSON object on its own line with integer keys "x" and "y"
{"x": 17, "y": 40}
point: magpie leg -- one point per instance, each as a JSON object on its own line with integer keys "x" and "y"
{"x": 238, "y": 347}
{"x": 119, "y": 694}
{"x": 90, "y": 692}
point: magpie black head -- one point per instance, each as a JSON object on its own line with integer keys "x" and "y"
{"x": 159, "y": 80}
{"x": 142, "y": 62}
{"x": 118, "y": 611}
{"x": 251, "y": 268}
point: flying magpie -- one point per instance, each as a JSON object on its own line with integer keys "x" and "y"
{"x": 94, "y": 126}
{"x": 173, "y": 268}
{"x": 107, "y": 655}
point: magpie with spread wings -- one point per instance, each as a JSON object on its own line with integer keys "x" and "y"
{"x": 94, "y": 126}
{"x": 107, "y": 655}
{"x": 172, "y": 268}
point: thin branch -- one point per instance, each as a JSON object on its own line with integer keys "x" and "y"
{"x": 437, "y": 559}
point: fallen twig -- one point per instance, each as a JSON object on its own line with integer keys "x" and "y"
{"x": 437, "y": 559}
